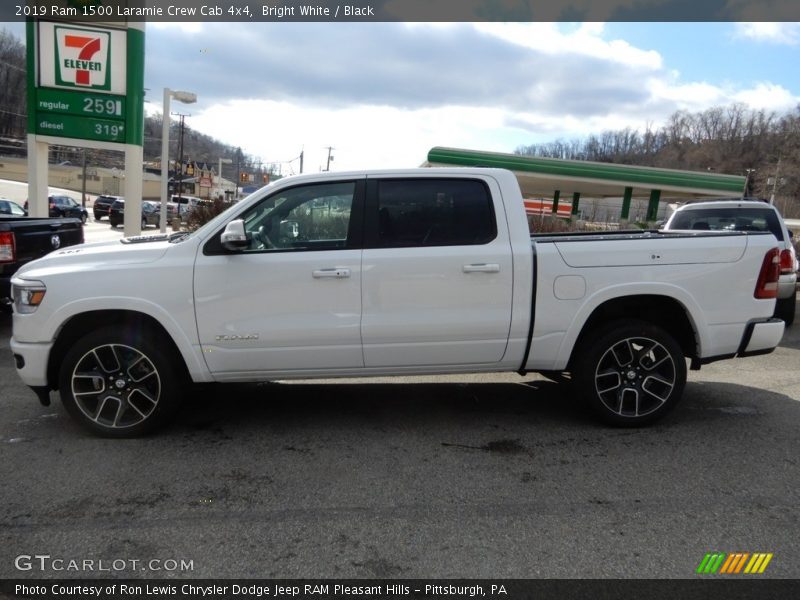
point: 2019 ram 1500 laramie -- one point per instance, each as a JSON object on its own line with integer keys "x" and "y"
{"x": 383, "y": 273}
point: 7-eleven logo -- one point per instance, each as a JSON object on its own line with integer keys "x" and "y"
{"x": 82, "y": 58}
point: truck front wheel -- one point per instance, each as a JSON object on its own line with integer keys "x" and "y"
{"x": 120, "y": 382}
{"x": 631, "y": 373}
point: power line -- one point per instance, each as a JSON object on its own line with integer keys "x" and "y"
{"x": 8, "y": 112}
{"x": 13, "y": 66}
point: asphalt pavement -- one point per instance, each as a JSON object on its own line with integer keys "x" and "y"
{"x": 441, "y": 477}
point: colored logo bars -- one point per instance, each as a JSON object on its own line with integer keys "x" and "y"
{"x": 734, "y": 564}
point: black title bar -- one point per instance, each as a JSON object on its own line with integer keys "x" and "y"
{"x": 401, "y": 10}
{"x": 411, "y": 589}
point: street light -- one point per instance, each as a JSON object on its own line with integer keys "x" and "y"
{"x": 186, "y": 98}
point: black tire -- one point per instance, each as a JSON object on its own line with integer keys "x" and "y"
{"x": 121, "y": 382}
{"x": 785, "y": 309}
{"x": 631, "y": 373}
{"x": 84, "y": 218}
{"x": 144, "y": 224}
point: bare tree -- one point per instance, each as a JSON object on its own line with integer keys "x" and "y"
{"x": 13, "y": 116}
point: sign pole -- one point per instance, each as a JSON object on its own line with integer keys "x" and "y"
{"x": 134, "y": 137}
{"x": 38, "y": 190}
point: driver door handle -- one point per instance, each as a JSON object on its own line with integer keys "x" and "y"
{"x": 482, "y": 268}
{"x": 335, "y": 273}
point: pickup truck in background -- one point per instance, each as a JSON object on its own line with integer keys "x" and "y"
{"x": 23, "y": 239}
{"x": 419, "y": 271}
{"x": 745, "y": 214}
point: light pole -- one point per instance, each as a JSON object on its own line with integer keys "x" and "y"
{"x": 186, "y": 98}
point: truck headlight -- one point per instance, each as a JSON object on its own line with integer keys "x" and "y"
{"x": 27, "y": 295}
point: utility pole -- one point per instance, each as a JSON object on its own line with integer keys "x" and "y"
{"x": 330, "y": 158}
{"x": 775, "y": 183}
{"x": 83, "y": 181}
{"x": 238, "y": 177}
{"x": 301, "y": 161}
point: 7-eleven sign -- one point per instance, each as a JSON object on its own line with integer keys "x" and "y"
{"x": 82, "y": 58}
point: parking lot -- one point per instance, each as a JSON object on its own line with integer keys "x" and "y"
{"x": 485, "y": 476}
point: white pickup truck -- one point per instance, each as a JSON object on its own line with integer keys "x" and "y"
{"x": 387, "y": 273}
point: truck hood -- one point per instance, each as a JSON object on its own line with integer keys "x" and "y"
{"x": 97, "y": 255}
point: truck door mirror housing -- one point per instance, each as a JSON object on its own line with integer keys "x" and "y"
{"x": 234, "y": 238}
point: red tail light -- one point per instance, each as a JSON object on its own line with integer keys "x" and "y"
{"x": 787, "y": 261}
{"x": 8, "y": 247}
{"x": 767, "y": 284}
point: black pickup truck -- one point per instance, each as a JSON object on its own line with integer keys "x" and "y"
{"x": 23, "y": 239}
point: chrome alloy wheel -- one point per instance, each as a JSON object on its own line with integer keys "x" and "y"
{"x": 635, "y": 377}
{"x": 116, "y": 386}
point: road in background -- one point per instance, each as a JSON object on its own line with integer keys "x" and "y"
{"x": 94, "y": 231}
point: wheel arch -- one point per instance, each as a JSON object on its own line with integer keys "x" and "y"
{"x": 80, "y": 324}
{"x": 663, "y": 311}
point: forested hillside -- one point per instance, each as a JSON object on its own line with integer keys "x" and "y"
{"x": 730, "y": 139}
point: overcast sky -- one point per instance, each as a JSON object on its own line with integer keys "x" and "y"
{"x": 383, "y": 94}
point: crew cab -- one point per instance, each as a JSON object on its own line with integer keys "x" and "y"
{"x": 23, "y": 239}
{"x": 417, "y": 271}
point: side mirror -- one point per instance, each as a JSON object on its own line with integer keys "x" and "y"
{"x": 234, "y": 237}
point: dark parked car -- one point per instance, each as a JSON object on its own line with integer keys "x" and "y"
{"x": 9, "y": 207}
{"x": 150, "y": 213}
{"x": 102, "y": 206}
{"x": 64, "y": 206}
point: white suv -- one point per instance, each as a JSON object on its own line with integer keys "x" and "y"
{"x": 740, "y": 214}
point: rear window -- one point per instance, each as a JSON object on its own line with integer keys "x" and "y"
{"x": 434, "y": 212}
{"x": 729, "y": 219}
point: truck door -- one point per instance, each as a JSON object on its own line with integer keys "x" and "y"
{"x": 437, "y": 273}
{"x": 290, "y": 301}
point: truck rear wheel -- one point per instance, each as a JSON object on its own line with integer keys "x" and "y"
{"x": 632, "y": 373}
{"x": 120, "y": 382}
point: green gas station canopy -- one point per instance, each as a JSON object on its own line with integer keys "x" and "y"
{"x": 543, "y": 176}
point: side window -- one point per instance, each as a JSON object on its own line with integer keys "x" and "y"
{"x": 309, "y": 217}
{"x": 434, "y": 212}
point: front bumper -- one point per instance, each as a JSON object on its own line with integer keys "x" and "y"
{"x": 31, "y": 361}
